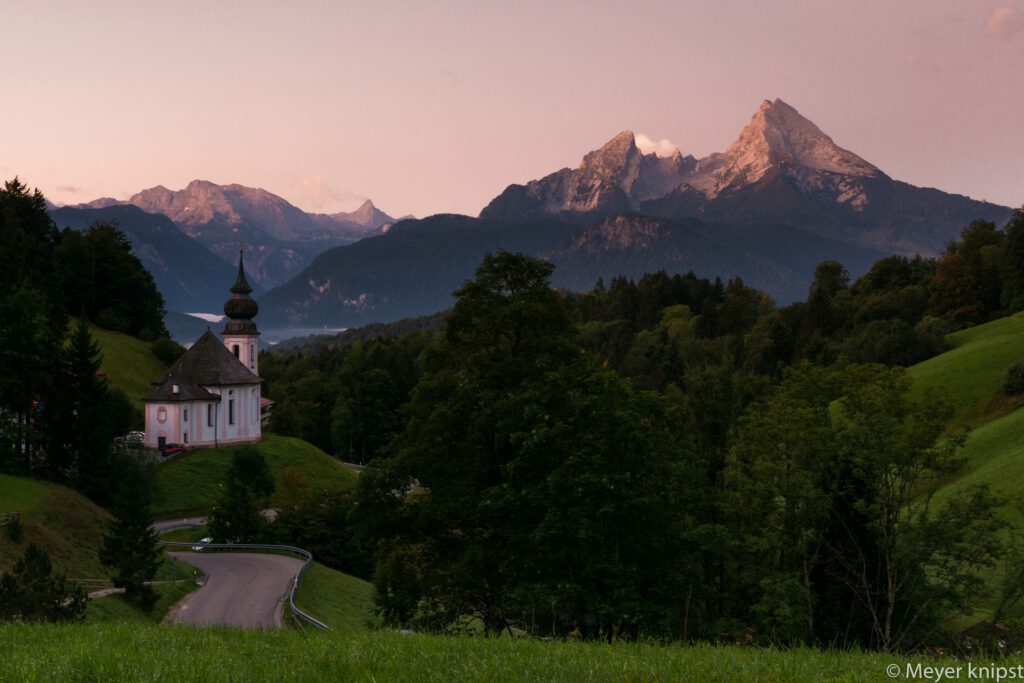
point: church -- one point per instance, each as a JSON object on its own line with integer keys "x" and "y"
{"x": 211, "y": 396}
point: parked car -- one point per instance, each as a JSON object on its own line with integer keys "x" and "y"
{"x": 198, "y": 547}
{"x": 172, "y": 449}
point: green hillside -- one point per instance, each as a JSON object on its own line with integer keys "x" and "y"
{"x": 343, "y": 602}
{"x": 129, "y": 363}
{"x": 971, "y": 374}
{"x": 190, "y": 484}
{"x": 65, "y": 523}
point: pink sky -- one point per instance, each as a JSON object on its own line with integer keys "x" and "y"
{"x": 431, "y": 107}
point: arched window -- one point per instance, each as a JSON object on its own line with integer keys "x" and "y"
{"x": 161, "y": 414}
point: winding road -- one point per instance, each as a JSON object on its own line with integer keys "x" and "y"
{"x": 241, "y": 589}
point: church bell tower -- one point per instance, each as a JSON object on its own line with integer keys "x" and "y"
{"x": 240, "y": 335}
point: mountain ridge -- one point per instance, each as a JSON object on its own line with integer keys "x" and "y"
{"x": 782, "y": 168}
{"x": 283, "y": 237}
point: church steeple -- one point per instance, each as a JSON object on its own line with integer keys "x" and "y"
{"x": 241, "y": 285}
{"x": 240, "y": 333}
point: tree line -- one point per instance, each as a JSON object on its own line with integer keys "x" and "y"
{"x": 58, "y": 416}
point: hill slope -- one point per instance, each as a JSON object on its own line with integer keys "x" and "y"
{"x": 191, "y": 483}
{"x": 129, "y": 363}
{"x": 971, "y": 374}
{"x": 68, "y": 525}
{"x": 343, "y": 602}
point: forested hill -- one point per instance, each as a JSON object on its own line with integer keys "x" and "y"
{"x": 189, "y": 276}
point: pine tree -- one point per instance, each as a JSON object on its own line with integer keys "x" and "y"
{"x": 130, "y": 546}
{"x": 77, "y": 427}
{"x": 237, "y": 516}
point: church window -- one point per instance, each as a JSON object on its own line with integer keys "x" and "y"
{"x": 252, "y": 355}
{"x": 161, "y": 414}
{"x": 234, "y": 348}
{"x": 209, "y": 415}
{"x": 184, "y": 414}
{"x": 231, "y": 411}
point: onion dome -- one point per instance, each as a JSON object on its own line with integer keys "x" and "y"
{"x": 241, "y": 308}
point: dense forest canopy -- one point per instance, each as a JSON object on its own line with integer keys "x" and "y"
{"x": 670, "y": 456}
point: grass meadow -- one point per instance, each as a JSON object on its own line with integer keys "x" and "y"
{"x": 143, "y": 652}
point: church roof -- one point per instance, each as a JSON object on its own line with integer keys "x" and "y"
{"x": 207, "y": 363}
{"x": 186, "y": 392}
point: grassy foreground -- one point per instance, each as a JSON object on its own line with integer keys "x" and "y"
{"x": 140, "y": 652}
{"x": 190, "y": 484}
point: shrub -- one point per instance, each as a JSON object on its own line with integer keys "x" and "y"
{"x": 167, "y": 350}
{"x": 1013, "y": 383}
{"x": 14, "y": 529}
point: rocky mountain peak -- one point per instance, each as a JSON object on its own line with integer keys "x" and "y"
{"x": 613, "y": 157}
{"x": 779, "y": 135}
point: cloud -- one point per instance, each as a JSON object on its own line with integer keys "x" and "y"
{"x": 663, "y": 147}
{"x": 69, "y": 189}
{"x": 321, "y": 196}
{"x": 1005, "y": 23}
{"x": 451, "y": 76}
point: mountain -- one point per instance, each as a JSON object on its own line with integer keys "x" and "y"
{"x": 781, "y": 199}
{"x": 410, "y": 270}
{"x": 777, "y": 259}
{"x": 282, "y": 237}
{"x": 782, "y": 169}
{"x": 414, "y": 268}
{"x": 189, "y": 276}
{"x": 367, "y": 215}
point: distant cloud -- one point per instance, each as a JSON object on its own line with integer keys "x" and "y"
{"x": 69, "y": 189}
{"x": 1005, "y": 23}
{"x": 451, "y": 76}
{"x": 321, "y": 196}
{"x": 663, "y": 147}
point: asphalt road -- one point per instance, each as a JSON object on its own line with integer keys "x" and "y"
{"x": 242, "y": 589}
